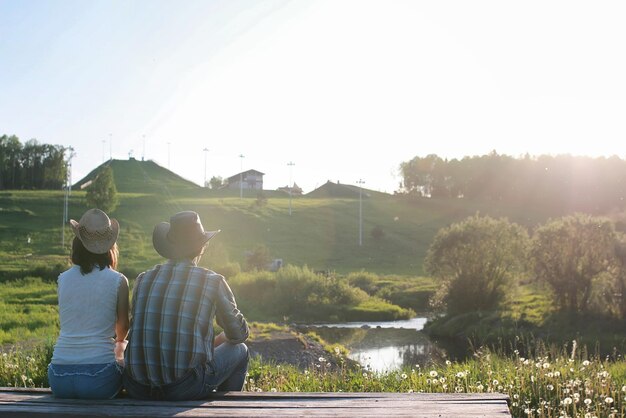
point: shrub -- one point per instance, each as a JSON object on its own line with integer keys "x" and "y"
{"x": 476, "y": 260}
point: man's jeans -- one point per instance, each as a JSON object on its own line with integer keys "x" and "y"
{"x": 85, "y": 381}
{"x": 231, "y": 365}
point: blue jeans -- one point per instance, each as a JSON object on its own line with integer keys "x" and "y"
{"x": 85, "y": 381}
{"x": 227, "y": 373}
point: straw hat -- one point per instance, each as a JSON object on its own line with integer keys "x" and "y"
{"x": 96, "y": 231}
{"x": 182, "y": 237}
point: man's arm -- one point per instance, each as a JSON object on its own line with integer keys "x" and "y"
{"x": 229, "y": 317}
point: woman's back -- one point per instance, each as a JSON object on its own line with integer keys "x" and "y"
{"x": 88, "y": 313}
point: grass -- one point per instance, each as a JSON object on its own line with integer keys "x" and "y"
{"x": 28, "y": 311}
{"x": 552, "y": 384}
{"x": 322, "y": 231}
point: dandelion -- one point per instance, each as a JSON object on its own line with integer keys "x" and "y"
{"x": 495, "y": 382}
{"x": 624, "y": 388}
{"x": 546, "y": 365}
{"x": 608, "y": 400}
{"x": 273, "y": 390}
{"x": 460, "y": 375}
{"x": 550, "y": 387}
{"x": 404, "y": 376}
{"x": 433, "y": 373}
{"x": 322, "y": 360}
{"x": 586, "y": 363}
{"x": 448, "y": 362}
{"x": 567, "y": 401}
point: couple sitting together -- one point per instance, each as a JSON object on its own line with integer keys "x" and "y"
{"x": 171, "y": 352}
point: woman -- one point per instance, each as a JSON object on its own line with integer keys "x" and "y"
{"x": 93, "y": 310}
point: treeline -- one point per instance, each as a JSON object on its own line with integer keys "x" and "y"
{"x": 32, "y": 165}
{"x": 563, "y": 182}
{"x": 581, "y": 258}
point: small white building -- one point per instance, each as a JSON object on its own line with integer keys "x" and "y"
{"x": 250, "y": 179}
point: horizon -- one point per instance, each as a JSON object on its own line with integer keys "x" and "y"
{"x": 353, "y": 88}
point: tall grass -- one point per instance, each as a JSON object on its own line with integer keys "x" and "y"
{"x": 551, "y": 385}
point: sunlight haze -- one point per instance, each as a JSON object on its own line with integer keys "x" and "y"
{"x": 346, "y": 90}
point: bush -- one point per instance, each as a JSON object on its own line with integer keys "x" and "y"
{"x": 301, "y": 295}
{"x": 476, "y": 260}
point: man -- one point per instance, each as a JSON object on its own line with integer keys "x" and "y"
{"x": 172, "y": 353}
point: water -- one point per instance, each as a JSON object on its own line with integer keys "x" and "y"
{"x": 384, "y": 346}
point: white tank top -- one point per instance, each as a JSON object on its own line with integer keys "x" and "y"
{"x": 88, "y": 313}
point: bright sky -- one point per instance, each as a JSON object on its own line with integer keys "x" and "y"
{"x": 344, "y": 89}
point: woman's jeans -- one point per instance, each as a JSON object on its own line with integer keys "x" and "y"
{"x": 230, "y": 363}
{"x": 85, "y": 381}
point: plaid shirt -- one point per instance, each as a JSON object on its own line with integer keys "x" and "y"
{"x": 171, "y": 328}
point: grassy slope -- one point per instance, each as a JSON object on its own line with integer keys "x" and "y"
{"x": 322, "y": 232}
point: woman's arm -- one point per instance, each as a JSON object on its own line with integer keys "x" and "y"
{"x": 122, "y": 323}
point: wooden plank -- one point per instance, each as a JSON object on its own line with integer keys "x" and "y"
{"x": 40, "y": 403}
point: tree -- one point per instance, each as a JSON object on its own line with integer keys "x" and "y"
{"x": 377, "y": 233}
{"x": 102, "y": 194}
{"x": 570, "y": 253}
{"x": 216, "y": 182}
{"x": 259, "y": 258}
{"x": 476, "y": 260}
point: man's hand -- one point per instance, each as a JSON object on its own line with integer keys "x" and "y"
{"x": 219, "y": 339}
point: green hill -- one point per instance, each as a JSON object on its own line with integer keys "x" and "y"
{"x": 134, "y": 176}
{"x": 330, "y": 189}
{"x": 322, "y": 232}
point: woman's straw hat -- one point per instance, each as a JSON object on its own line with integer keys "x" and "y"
{"x": 182, "y": 237}
{"x": 96, "y": 231}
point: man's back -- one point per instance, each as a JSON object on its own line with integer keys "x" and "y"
{"x": 172, "y": 321}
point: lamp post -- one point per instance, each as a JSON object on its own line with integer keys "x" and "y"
{"x": 360, "y": 182}
{"x": 68, "y": 191}
{"x": 290, "y": 164}
{"x": 241, "y": 177}
{"x": 206, "y": 150}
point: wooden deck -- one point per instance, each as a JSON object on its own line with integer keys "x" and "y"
{"x": 39, "y": 402}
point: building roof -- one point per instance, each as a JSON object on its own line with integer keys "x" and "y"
{"x": 244, "y": 173}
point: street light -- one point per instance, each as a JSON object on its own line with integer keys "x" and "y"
{"x": 360, "y": 182}
{"x": 206, "y": 150}
{"x": 290, "y": 164}
{"x": 68, "y": 191}
{"x": 241, "y": 177}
